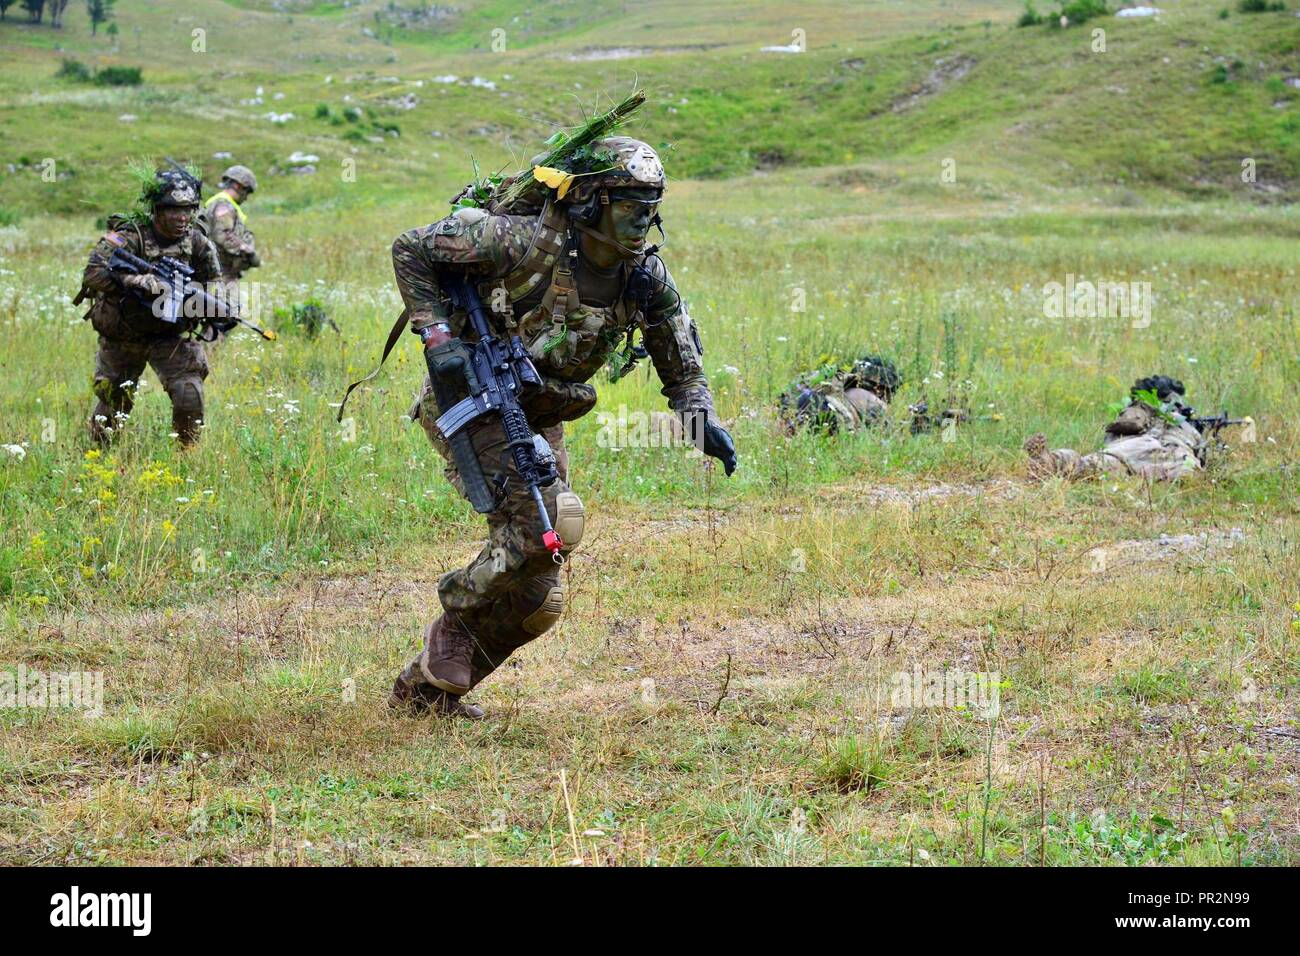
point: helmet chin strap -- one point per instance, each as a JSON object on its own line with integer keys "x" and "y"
{"x": 623, "y": 250}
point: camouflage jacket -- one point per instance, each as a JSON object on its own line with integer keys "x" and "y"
{"x": 227, "y": 227}
{"x": 119, "y": 314}
{"x": 1158, "y": 444}
{"x": 830, "y": 402}
{"x": 570, "y": 320}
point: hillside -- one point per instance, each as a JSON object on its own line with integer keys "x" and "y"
{"x": 1030, "y": 112}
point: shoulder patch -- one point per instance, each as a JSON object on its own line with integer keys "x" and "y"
{"x": 451, "y": 226}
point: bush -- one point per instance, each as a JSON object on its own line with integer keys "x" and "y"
{"x": 75, "y": 70}
{"x": 1080, "y": 11}
{"x": 307, "y": 317}
{"x": 119, "y": 76}
{"x": 8, "y": 217}
{"x": 355, "y": 135}
{"x": 1031, "y": 17}
{"x": 1260, "y": 6}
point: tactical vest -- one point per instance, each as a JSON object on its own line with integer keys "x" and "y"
{"x": 220, "y": 195}
{"x": 120, "y": 315}
{"x": 567, "y": 339}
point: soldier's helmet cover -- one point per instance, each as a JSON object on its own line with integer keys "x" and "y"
{"x": 875, "y": 374}
{"x": 175, "y": 188}
{"x": 623, "y": 163}
{"x": 1164, "y": 387}
{"x": 241, "y": 175}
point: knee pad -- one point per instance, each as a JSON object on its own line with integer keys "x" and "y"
{"x": 187, "y": 396}
{"x": 570, "y": 517}
{"x": 543, "y": 619}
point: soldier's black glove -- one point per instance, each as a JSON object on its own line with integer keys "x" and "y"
{"x": 718, "y": 444}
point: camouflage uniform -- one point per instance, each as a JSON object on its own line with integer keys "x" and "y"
{"x": 131, "y": 337}
{"x": 570, "y": 315}
{"x": 844, "y": 399}
{"x": 1157, "y": 445}
{"x": 226, "y": 225}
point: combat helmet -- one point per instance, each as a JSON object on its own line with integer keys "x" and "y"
{"x": 174, "y": 187}
{"x": 241, "y": 175}
{"x": 1166, "y": 388}
{"x": 614, "y": 167}
{"x": 875, "y": 374}
{"x": 630, "y": 163}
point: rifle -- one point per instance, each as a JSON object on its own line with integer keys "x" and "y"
{"x": 1211, "y": 425}
{"x": 176, "y": 305}
{"x": 922, "y": 420}
{"x": 495, "y": 374}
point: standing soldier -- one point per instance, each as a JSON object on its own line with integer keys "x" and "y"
{"x": 573, "y": 279}
{"x": 226, "y": 223}
{"x": 131, "y": 334}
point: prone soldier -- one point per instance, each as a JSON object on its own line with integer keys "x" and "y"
{"x": 840, "y": 398}
{"x": 1156, "y": 437}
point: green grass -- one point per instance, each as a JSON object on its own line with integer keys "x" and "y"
{"x": 249, "y": 601}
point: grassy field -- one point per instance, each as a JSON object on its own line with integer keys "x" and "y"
{"x": 719, "y": 689}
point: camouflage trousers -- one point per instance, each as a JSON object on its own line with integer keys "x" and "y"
{"x": 510, "y": 593}
{"x": 181, "y": 366}
{"x": 1143, "y": 455}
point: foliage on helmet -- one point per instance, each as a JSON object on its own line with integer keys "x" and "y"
{"x": 1163, "y": 386}
{"x": 875, "y": 374}
{"x": 155, "y": 185}
{"x": 571, "y": 152}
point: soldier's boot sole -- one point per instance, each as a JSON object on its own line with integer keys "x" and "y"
{"x": 416, "y": 700}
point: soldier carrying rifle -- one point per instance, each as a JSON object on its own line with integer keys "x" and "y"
{"x": 560, "y": 256}
{"x": 148, "y": 277}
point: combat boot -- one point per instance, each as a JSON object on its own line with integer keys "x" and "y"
{"x": 420, "y": 699}
{"x": 1041, "y": 463}
{"x": 187, "y": 428}
{"x": 445, "y": 660}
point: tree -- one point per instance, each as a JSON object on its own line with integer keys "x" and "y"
{"x": 35, "y": 10}
{"x": 5, "y": 5}
{"x": 99, "y": 11}
{"x": 56, "y": 12}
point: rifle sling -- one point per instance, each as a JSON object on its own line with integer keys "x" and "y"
{"x": 394, "y": 334}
